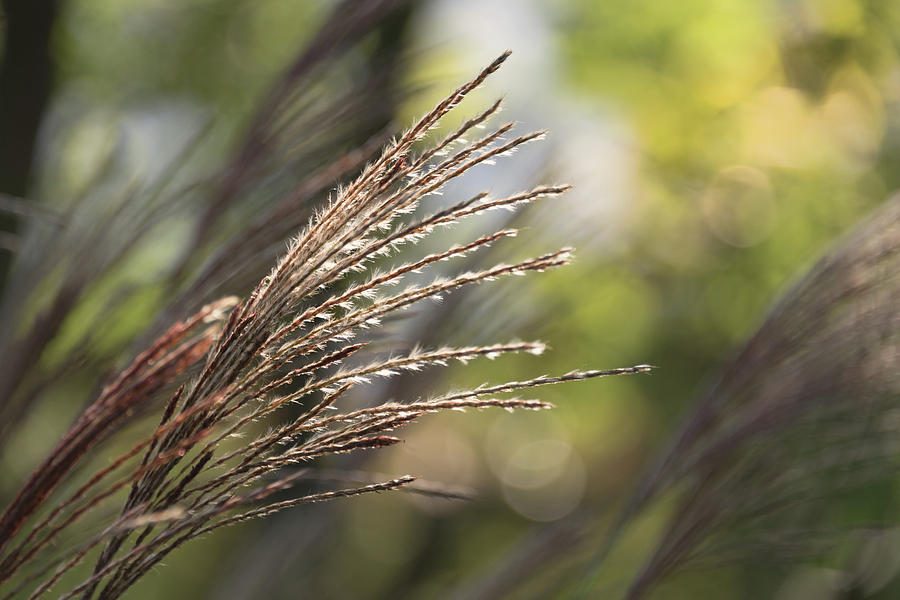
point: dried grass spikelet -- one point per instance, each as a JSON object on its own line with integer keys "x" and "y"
{"x": 287, "y": 343}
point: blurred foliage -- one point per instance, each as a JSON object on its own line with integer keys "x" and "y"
{"x": 762, "y": 130}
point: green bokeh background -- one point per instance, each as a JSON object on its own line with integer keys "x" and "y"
{"x": 750, "y": 136}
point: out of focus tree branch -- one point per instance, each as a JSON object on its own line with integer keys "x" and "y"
{"x": 26, "y": 76}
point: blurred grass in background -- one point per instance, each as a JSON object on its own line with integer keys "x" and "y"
{"x": 717, "y": 148}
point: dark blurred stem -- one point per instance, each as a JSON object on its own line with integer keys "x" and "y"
{"x": 391, "y": 45}
{"x": 26, "y": 77}
{"x": 349, "y": 20}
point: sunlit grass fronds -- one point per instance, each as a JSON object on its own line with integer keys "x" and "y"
{"x": 295, "y": 341}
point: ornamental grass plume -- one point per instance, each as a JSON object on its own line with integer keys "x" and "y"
{"x": 295, "y": 341}
{"x": 801, "y": 419}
